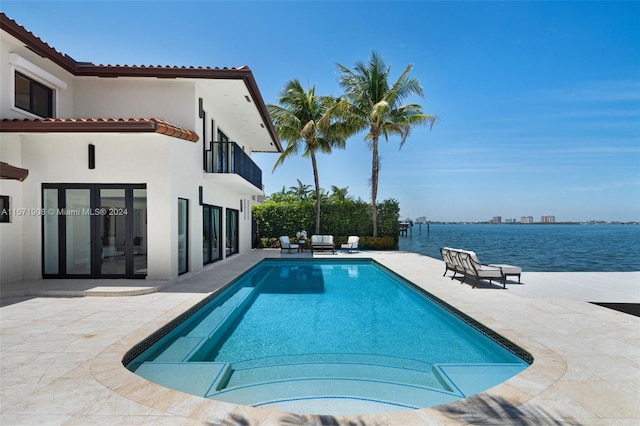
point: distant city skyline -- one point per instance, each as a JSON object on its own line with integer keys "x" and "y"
{"x": 538, "y": 102}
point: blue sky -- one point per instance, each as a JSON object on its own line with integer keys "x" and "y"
{"x": 538, "y": 102}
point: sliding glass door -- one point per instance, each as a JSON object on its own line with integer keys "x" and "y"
{"x": 183, "y": 235}
{"x": 211, "y": 230}
{"x": 232, "y": 232}
{"x": 94, "y": 231}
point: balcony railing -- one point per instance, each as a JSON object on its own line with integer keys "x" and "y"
{"x": 228, "y": 157}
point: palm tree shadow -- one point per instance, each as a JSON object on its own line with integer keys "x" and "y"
{"x": 484, "y": 409}
{"x": 291, "y": 419}
{"x": 479, "y": 409}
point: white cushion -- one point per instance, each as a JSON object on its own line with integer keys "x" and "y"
{"x": 508, "y": 269}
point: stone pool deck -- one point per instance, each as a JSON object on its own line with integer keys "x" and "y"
{"x": 60, "y": 355}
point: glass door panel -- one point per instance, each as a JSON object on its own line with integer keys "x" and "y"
{"x": 140, "y": 231}
{"x": 206, "y": 235}
{"x": 232, "y": 231}
{"x": 216, "y": 253}
{"x": 112, "y": 232}
{"x": 50, "y": 231}
{"x": 210, "y": 234}
{"x": 183, "y": 225}
{"x": 78, "y": 231}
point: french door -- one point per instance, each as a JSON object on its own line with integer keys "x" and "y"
{"x": 94, "y": 231}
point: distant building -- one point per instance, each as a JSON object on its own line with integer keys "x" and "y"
{"x": 548, "y": 219}
{"x": 526, "y": 219}
{"x": 421, "y": 219}
{"x": 509, "y": 221}
{"x": 496, "y": 219}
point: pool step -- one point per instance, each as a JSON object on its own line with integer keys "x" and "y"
{"x": 329, "y": 370}
{"x": 338, "y": 396}
{"x": 334, "y": 357}
{"x": 196, "y": 378}
{"x": 179, "y": 349}
{"x": 198, "y": 342}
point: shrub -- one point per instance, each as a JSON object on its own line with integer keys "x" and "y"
{"x": 338, "y": 218}
{"x": 378, "y": 243}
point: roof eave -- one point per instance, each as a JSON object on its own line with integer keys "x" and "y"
{"x": 7, "y": 171}
{"x": 98, "y": 126}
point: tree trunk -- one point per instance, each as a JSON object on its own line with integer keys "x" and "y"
{"x": 375, "y": 168}
{"x": 316, "y": 180}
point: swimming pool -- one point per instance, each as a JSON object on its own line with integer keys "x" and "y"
{"x": 326, "y": 337}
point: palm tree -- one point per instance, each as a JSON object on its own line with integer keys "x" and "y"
{"x": 280, "y": 197}
{"x": 302, "y": 120}
{"x": 300, "y": 192}
{"x": 339, "y": 194}
{"x": 372, "y": 103}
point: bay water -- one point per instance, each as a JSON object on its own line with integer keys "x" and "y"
{"x": 541, "y": 248}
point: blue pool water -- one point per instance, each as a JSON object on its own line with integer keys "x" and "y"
{"x": 326, "y": 337}
{"x": 542, "y": 248}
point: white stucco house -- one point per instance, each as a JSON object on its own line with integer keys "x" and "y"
{"x": 90, "y": 189}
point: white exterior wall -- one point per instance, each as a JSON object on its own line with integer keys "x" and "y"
{"x": 169, "y": 100}
{"x": 57, "y": 158}
{"x": 11, "y": 240}
{"x": 171, "y": 168}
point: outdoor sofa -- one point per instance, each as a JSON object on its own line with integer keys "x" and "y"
{"x": 466, "y": 263}
{"x": 322, "y": 242}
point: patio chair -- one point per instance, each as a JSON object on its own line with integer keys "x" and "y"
{"x": 351, "y": 245}
{"x": 285, "y": 244}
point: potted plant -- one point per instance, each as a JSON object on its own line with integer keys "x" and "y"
{"x": 302, "y": 237}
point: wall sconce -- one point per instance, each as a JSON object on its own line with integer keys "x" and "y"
{"x": 92, "y": 156}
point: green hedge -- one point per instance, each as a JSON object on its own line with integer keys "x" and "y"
{"x": 366, "y": 243}
{"x": 338, "y": 218}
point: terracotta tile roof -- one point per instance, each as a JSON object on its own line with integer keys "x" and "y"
{"x": 89, "y": 69}
{"x": 103, "y": 125}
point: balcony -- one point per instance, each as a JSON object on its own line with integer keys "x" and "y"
{"x": 228, "y": 157}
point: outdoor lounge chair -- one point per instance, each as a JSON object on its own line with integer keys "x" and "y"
{"x": 466, "y": 263}
{"x": 351, "y": 245}
{"x": 285, "y": 244}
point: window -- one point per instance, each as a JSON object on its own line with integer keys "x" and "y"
{"x": 33, "y": 96}
{"x": 4, "y": 209}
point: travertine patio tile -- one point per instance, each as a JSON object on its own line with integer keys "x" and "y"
{"x": 600, "y": 398}
{"x": 66, "y": 395}
{"x": 34, "y": 419}
{"x": 557, "y": 407}
{"x": 212, "y": 412}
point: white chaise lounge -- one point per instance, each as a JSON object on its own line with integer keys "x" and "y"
{"x": 466, "y": 262}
